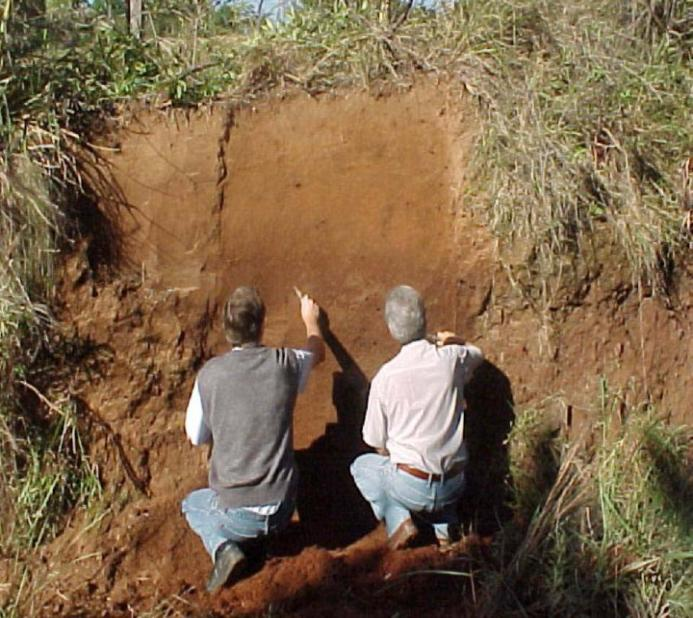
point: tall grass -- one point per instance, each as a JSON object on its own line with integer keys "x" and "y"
{"x": 45, "y": 471}
{"x": 587, "y": 128}
{"x": 56, "y": 475}
{"x": 45, "y": 474}
{"x": 610, "y": 534}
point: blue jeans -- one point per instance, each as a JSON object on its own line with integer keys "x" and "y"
{"x": 216, "y": 525}
{"x": 395, "y": 495}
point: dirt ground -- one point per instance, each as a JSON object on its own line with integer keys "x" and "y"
{"x": 343, "y": 196}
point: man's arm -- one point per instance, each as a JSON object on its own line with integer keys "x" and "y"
{"x": 447, "y": 337}
{"x": 310, "y": 314}
{"x": 375, "y": 423}
{"x": 473, "y": 356}
{"x": 195, "y": 426}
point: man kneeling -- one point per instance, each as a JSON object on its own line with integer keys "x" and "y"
{"x": 414, "y": 420}
{"x": 242, "y": 403}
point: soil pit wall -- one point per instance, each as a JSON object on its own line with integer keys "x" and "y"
{"x": 344, "y": 197}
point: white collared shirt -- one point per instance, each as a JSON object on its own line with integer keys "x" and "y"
{"x": 416, "y": 405}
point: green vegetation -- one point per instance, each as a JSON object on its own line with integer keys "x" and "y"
{"x": 585, "y": 110}
{"x": 590, "y": 134}
{"x": 45, "y": 475}
{"x": 609, "y": 534}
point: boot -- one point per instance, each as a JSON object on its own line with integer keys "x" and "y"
{"x": 228, "y": 559}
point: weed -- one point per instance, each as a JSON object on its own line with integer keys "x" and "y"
{"x": 49, "y": 473}
{"x": 575, "y": 135}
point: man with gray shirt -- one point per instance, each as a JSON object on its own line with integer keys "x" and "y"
{"x": 414, "y": 420}
{"x": 242, "y": 402}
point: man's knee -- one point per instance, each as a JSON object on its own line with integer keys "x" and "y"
{"x": 356, "y": 467}
{"x": 365, "y": 466}
{"x": 197, "y": 500}
{"x": 368, "y": 472}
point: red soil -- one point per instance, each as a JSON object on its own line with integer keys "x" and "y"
{"x": 344, "y": 197}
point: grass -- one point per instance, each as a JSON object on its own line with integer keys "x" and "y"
{"x": 609, "y": 534}
{"x": 56, "y": 475}
{"x": 46, "y": 474}
{"x": 46, "y": 470}
{"x": 575, "y": 138}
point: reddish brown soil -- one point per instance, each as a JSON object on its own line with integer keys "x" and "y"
{"x": 344, "y": 197}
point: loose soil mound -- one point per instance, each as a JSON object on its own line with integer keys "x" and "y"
{"x": 343, "y": 196}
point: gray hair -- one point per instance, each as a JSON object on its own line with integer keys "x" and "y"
{"x": 405, "y": 314}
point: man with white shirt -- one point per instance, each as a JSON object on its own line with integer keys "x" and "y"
{"x": 414, "y": 420}
{"x": 242, "y": 402}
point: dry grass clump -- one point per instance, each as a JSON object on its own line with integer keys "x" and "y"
{"x": 587, "y": 126}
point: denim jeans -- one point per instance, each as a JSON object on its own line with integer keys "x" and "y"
{"x": 216, "y": 525}
{"x": 395, "y": 495}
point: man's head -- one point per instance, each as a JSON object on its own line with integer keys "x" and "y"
{"x": 244, "y": 315}
{"x": 405, "y": 314}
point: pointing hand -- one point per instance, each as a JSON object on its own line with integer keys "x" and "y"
{"x": 310, "y": 310}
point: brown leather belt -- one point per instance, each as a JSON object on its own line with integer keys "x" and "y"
{"x": 425, "y": 476}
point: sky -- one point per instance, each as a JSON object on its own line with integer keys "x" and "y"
{"x": 275, "y": 6}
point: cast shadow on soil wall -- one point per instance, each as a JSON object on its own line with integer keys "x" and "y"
{"x": 331, "y": 509}
{"x": 487, "y": 423}
{"x": 104, "y": 248}
{"x": 98, "y": 213}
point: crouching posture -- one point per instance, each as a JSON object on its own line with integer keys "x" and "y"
{"x": 242, "y": 402}
{"x": 414, "y": 420}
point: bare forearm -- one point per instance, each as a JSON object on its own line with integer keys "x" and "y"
{"x": 455, "y": 339}
{"x": 310, "y": 314}
{"x": 447, "y": 337}
{"x": 315, "y": 344}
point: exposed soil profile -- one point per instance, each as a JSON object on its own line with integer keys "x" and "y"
{"x": 343, "y": 196}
